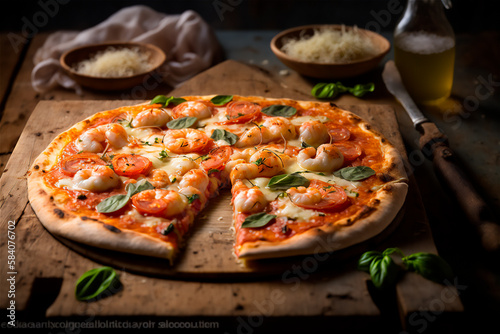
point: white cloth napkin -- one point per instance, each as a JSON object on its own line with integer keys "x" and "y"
{"x": 187, "y": 40}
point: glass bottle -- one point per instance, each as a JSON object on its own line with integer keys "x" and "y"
{"x": 424, "y": 50}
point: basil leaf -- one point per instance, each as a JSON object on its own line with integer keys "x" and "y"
{"x": 383, "y": 271}
{"x": 341, "y": 88}
{"x": 161, "y": 99}
{"x": 430, "y": 266}
{"x": 331, "y": 90}
{"x": 286, "y": 181}
{"x": 367, "y": 258}
{"x": 165, "y": 101}
{"x": 355, "y": 173}
{"x": 94, "y": 282}
{"x": 182, "y": 123}
{"x": 135, "y": 188}
{"x": 113, "y": 203}
{"x": 257, "y": 220}
{"x": 116, "y": 202}
{"x": 325, "y": 91}
{"x": 225, "y": 135}
{"x": 359, "y": 90}
{"x": 220, "y": 100}
{"x": 392, "y": 250}
{"x": 279, "y": 110}
{"x": 175, "y": 100}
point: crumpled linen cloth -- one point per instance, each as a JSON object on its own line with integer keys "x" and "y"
{"x": 187, "y": 40}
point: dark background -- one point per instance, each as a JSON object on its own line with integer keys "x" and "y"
{"x": 465, "y": 16}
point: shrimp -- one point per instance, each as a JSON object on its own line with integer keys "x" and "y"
{"x": 151, "y": 117}
{"x": 193, "y": 193}
{"x": 98, "y": 178}
{"x": 263, "y": 163}
{"x": 181, "y": 165}
{"x": 326, "y": 158}
{"x": 95, "y": 139}
{"x": 192, "y": 109}
{"x": 185, "y": 140}
{"x": 254, "y": 136}
{"x": 305, "y": 196}
{"x": 159, "y": 202}
{"x": 273, "y": 129}
{"x": 196, "y": 178}
{"x": 280, "y": 127}
{"x": 314, "y": 133}
{"x": 158, "y": 178}
{"x": 248, "y": 200}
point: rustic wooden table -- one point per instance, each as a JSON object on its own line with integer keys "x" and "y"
{"x": 474, "y": 132}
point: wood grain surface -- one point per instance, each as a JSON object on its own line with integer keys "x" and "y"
{"x": 48, "y": 269}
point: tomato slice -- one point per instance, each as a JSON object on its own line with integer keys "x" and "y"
{"x": 339, "y": 133}
{"x": 239, "y": 112}
{"x": 217, "y": 158}
{"x": 76, "y": 162}
{"x": 333, "y": 197}
{"x": 146, "y": 202}
{"x": 349, "y": 150}
{"x": 131, "y": 165}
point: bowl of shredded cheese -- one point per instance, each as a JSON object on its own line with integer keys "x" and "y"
{"x": 330, "y": 51}
{"x": 112, "y": 66}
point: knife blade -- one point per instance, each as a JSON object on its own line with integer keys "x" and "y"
{"x": 435, "y": 147}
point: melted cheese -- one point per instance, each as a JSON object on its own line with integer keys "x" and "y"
{"x": 287, "y": 209}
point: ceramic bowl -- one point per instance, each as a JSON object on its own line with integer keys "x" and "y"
{"x": 74, "y": 56}
{"x": 329, "y": 70}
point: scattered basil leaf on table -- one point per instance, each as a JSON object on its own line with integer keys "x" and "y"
{"x": 331, "y": 90}
{"x": 94, "y": 282}
{"x": 366, "y": 259}
{"x": 287, "y": 181}
{"x": 257, "y": 220}
{"x": 165, "y": 101}
{"x": 116, "y": 202}
{"x": 360, "y": 90}
{"x": 221, "y": 100}
{"x": 182, "y": 123}
{"x": 225, "y": 135}
{"x": 325, "y": 91}
{"x": 430, "y": 266}
{"x": 279, "y": 110}
{"x": 354, "y": 173}
{"x": 384, "y": 271}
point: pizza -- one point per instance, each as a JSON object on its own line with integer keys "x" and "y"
{"x": 305, "y": 177}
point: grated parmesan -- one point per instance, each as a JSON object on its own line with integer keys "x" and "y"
{"x": 114, "y": 63}
{"x": 330, "y": 46}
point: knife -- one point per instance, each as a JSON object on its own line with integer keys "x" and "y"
{"x": 435, "y": 147}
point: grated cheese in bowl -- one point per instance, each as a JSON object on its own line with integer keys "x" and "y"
{"x": 115, "y": 63}
{"x": 330, "y": 46}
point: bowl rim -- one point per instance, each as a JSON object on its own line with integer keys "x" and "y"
{"x": 277, "y": 51}
{"x": 67, "y": 67}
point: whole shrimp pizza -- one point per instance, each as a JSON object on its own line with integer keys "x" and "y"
{"x": 305, "y": 177}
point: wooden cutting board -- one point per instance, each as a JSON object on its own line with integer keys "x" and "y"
{"x": 303, "y": 286}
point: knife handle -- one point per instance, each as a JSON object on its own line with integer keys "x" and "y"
{"x": 434, "y": 145}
